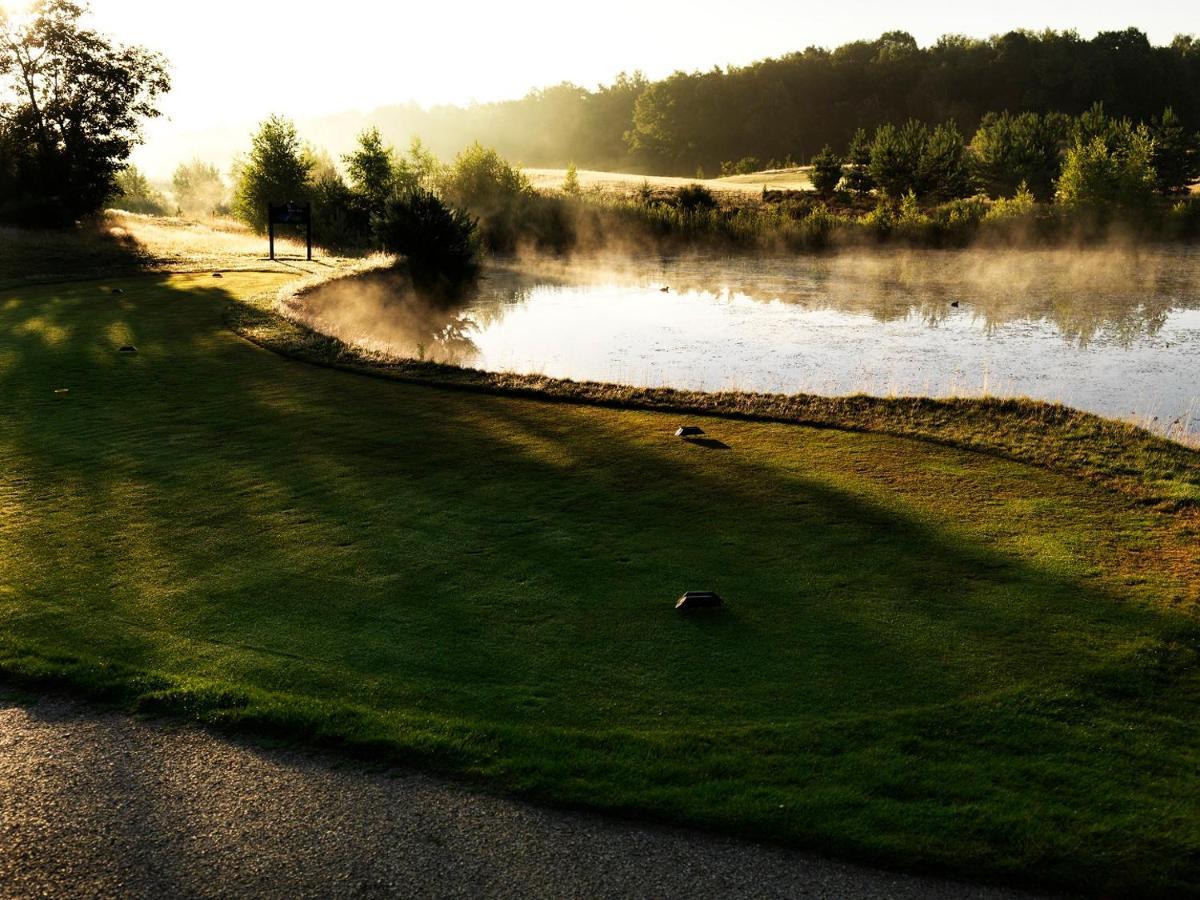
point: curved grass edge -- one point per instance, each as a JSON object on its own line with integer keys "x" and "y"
{"x": 1120, "y": 456}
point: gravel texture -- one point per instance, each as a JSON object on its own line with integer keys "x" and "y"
{"x": 103, "y": 805}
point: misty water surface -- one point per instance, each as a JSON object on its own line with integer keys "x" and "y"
{"x": 1115, "y": 332}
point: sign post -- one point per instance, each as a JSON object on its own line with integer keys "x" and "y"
{"x": 290, "y": 213}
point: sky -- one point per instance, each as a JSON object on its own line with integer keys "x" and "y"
{"x": 235, "y": 61}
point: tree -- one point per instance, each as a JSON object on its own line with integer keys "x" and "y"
{"x": 199, "y": 189}
{"x": 571, "y": 181}
{"x": 826, "y": 170}
{"x": 71, "y": 108}
{"x": 276, "y": 171}
{"x": 1101, "y": 176}
{"x": 340, "y": 217}
{"x": 135, "y": 194}
{"x": 420, "y": 168}
{"x": 372, "y": 169}
{"x": 896, "y": 155}
{"x": 858, "y": 162}
{"x": 944, "y": 172}
{"x": 1096, "y": 123}
{"x": 1009, "y": 150}
{"x": 1176, "y": 156}
{"x": 804, "y": 100}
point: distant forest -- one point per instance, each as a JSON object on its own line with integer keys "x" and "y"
{"x": 789, "y": 108}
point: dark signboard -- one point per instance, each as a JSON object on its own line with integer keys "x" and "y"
{"x": 290, "y": 214}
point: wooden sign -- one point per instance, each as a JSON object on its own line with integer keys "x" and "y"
{"x": 290, "y": 214}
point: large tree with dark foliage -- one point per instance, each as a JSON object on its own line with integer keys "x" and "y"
{"x": 71, "y": 107}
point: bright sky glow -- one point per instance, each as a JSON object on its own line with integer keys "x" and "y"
{"x": 234, "y": 61}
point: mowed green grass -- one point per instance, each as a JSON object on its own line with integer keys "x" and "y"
{"x": 931, "y": 658}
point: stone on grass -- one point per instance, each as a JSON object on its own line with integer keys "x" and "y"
{"x": 128, "y": 348}
{"x": 689, "y": 431}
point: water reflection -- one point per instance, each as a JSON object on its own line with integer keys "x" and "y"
{"x": 1117, "y": 332}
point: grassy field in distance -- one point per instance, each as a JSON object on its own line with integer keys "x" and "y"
{"x": 796, "y": 179}
{"x": 931, "y": 658}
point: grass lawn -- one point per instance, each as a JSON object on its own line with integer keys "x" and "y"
{"x": 931, "y": 658}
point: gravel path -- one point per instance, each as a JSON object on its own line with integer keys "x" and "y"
{"x": 102, "y": 805}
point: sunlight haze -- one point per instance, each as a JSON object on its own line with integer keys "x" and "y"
{"x": 234, "y": 62}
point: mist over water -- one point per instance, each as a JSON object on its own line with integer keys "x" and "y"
{"x": 1113, "y": 331}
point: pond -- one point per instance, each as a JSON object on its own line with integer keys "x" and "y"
{"x": 1113, "y": 331}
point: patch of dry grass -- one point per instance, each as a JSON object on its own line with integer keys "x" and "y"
{"x": 121, "y": 243}
{"x": 625, "y": 184}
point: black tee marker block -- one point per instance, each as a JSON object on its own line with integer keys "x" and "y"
{"x": 699, "y": 600}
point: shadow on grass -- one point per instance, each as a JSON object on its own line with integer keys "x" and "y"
{"x": 486, "y": 584}
{"x": 93, "y": 248}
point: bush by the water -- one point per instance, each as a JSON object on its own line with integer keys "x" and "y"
{"x": 510, "y": 212}
{"x": 437, "y": 239}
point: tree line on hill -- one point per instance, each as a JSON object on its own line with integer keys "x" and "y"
{"x": 787, "y": 109}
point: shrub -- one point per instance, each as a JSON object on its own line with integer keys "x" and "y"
{"x": 498, "y": 194}
{"x": 818, "y": 227}
{"x": 826, "y": 170}
{"x": 1107, "y": 174}
{"x": 880, "y": 221}
{"x": 437, "y": 240}
{"x": 1183, "y": 219}
{"x": 694, "y": 198}
{"x": 912, "y": 223}
{"x": 957, "y": 221}
{"x": 570, "y": 184}
{"x": 1021, "y": 205}
{"x": 747, "y": 165}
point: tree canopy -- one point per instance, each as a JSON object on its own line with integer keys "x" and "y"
{"x": 794, "y": 105}
{"x": 276, "y": 170}
{"x": 71, "y": 108}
